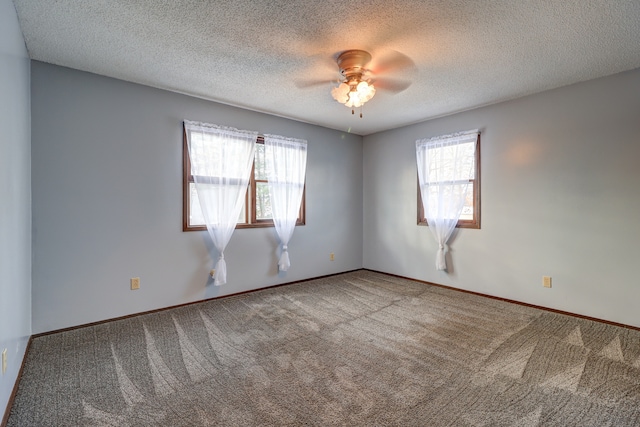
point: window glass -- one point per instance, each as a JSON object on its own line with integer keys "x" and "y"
{"x": 256, "y": 211}
{"x": 470, "y": 216}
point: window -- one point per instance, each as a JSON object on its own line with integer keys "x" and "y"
{"x": 470, "y": 217}
{"x": 257, "y": 207}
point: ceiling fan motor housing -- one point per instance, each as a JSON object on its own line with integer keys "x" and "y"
{"x": 352, "y": 63}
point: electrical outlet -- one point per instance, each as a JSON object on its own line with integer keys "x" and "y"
{"x": 332, "y": 257}
{"x": 135, "y": 283}
{"x": 546, "y": 281}
{"x": 4, "y": 361}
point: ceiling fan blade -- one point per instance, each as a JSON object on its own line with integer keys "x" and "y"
{"x": 305, "y": 84}
{"x": 390, "y": 62}
{"x": 391, "y": 85}
{"x": 322, "y": 62}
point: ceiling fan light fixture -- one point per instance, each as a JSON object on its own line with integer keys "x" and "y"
{"x": 353, "y": 95}
{"x": 353, "y": 91}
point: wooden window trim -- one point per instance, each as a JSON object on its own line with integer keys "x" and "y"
{"x": 253, "y": 185}
{"x": 250, "y": 219}
{"x": 463, "y": 223}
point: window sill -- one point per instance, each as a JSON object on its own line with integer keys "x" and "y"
{"x": 461, "y": 224}
{"x": 240, "y": 226}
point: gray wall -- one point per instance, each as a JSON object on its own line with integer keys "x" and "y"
{"x": 15, "y": 198}
{"x": 107, "y": 202}
{"x": 560, "y": 197}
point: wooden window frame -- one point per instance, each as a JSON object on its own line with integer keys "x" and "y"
{"x": 462, "y": 223}
{"x": 250, "y": 205}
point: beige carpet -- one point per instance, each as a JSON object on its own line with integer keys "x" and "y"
{"x": 357, "y": 349}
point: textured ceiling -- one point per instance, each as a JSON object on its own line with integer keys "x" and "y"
{"x": 264, "y": 54}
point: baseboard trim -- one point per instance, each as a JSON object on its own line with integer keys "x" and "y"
{"x": 157, "y": 310}
{"x": 553, "y": 310}
{"x": 566, "y": 313}
{"x": 12, "y": 397}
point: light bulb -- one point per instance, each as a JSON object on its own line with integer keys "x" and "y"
{"x": 365, "y": 91}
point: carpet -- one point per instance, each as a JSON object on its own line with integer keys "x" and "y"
{"x": 356, "y": 349}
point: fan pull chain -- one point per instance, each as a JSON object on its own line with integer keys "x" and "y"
{"x": 354, "y": 112}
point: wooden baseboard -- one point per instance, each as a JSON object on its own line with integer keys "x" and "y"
{"x": 12, "y": 397}
{"x": 5, "y": 418}
{"x": 553, "y": 310}
{"x": 15, "y": 387}
{"x": 595, "y": 319}
{"x": 142, "y": 313}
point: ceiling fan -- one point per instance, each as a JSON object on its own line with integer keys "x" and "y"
{"x": 360, "y": 77}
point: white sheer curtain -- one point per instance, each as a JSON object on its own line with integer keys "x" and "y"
{"x": 286, "y": 160}
{"x": 445, "y": 166}
{"x": 221, "y": 160}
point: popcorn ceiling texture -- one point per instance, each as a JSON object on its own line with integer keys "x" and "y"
{"x": 252, "y": 53}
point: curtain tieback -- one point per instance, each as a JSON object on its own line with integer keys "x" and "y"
{"x": 285, "y": 247}
{"x": 221, "y": 255}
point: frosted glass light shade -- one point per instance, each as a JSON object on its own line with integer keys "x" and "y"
{"x": 341, "y": 93}
{"x": 353, "y": 96}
